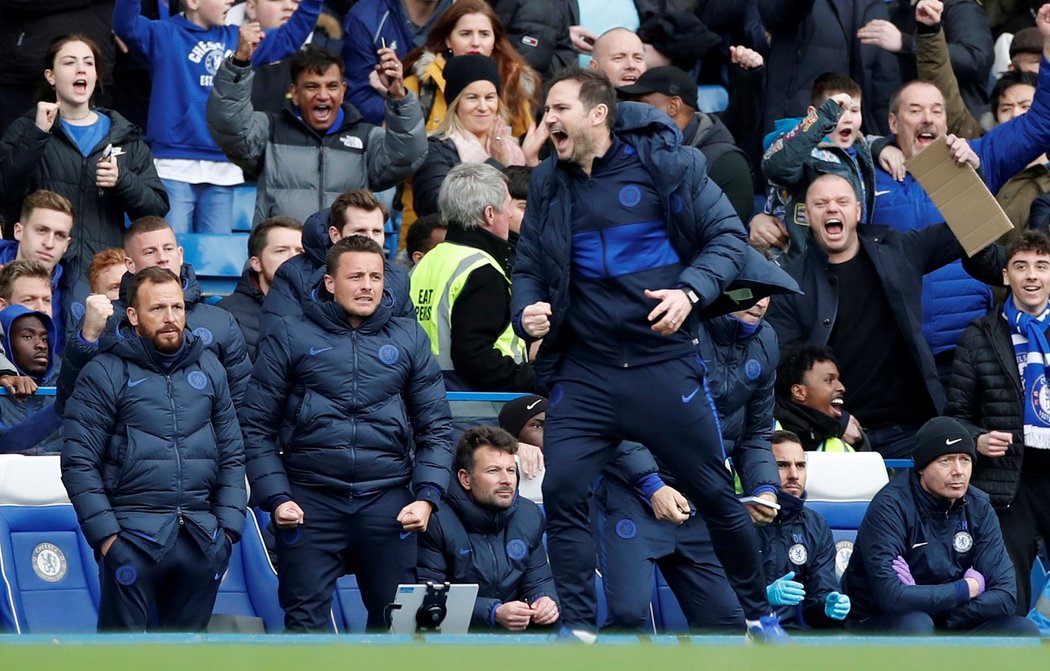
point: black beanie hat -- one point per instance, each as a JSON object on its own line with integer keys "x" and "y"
{"x": 462, "y": 71}
{"x": 940, "y": 436}
{"x": 517, "y": 413}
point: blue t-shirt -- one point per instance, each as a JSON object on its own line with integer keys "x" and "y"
{"x": 88, "y": 137}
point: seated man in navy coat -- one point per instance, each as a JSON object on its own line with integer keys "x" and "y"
{"x": 485, "y": 533}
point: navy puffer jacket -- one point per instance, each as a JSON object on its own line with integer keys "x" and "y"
{"x": 337, "y": 407}
{"x": 499, "y": 549}
{"x": 149, "y": 448}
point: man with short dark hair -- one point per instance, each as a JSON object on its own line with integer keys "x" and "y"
{"x": 624, "y": 235}
{"x": 929, "y": 555}
{"x": 997, "y": 390}
{"x": 43, "y": 233}
{"x": 30, "y": 425}
{"x": 486, "y": 533}
{"x": 270, "y": 244}
{"x": 810, "y": 401}
{"x": 424, "y": 235}
{"x": 154, "y": 464}
{"x": 798, "y": 550}
{"x": 338, "y": 397}
{"x": 461, "y": 288}
{"x": 318, "y": 146}
{"x": 354, "y": 212}
{"x": 25, "y": 283}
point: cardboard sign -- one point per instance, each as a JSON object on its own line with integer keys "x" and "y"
{"x": 961, "y": 195}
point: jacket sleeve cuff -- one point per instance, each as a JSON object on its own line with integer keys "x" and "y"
{"x": 429, "y": 493}
{"x": 276, "y": 500}
{"x": 492, "y": 613}
{"x": 924, "y": 30}
{"x": 962, "y": 592}
{"x": 649, "y": 485}
{"x": 764, "y": 489}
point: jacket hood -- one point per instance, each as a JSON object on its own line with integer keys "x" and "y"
{"x": 478, "y": 518}
{"x": 129, "y": 345}
{"x": 790, "y": 506}
{"x": 248, "y": 285}
{"x": 430, "y": 67}
{"x": 710, "y": 131}
{"x": 758, "y": 277}
{"x": 8, "y": 316}
{"x": 728, "y": 330}
{"x": 633, "y": 117}
{"x": 191, "y": 288}
{"x": 315, "y": 237}
{"x": 331, "y": 316}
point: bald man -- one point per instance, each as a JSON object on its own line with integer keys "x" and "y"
{"x": 620, "y": 55}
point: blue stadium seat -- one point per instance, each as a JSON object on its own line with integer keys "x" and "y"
{"x": 243, "y": 207}
{"x": 839, "y": 486}
{"x": 50, "y": 578}
{"x": 712, "y": 98}
{"x": 1039, "y": 578}
{"x": 664, "y": 609}
{"x": 249, "y": 587}
{"x": 347, "y": 607}
{"x": 217, "y": 259}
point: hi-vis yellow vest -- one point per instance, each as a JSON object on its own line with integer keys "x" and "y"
{"x": 833, "y": 444}
{"x": 436, "y": 284}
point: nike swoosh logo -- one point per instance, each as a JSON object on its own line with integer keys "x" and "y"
{"x": 952, "y": 442}
{"x": 314, "y": 351}
{"x": 686, "y": 399}
{"x": 532, "y": 405}
{"x": 881, "y": 193}
{"x": 919, "y": 545}
{"x": 135, "y": 383}
{"x": 403, "y": 534}
{"x": 464, "y": 552}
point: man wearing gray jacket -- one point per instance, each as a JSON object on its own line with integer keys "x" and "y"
{"x": 317, "y": 147}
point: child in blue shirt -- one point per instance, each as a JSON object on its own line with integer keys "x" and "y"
{"x": 184, "y": 52}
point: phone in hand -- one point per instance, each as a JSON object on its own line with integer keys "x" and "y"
{"x": 759, "y": 501}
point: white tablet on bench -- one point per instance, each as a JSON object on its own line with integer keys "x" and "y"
{"x": 433, "y": 608}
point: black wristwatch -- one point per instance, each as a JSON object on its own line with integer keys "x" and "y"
{"x": 691, "y": 295}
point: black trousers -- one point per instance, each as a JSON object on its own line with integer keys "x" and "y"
{"x": 1023, "y": 523}
{"x": 342, "y": 535}
{"x": 180, "y": 589}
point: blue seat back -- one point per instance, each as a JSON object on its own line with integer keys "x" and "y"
{"x": 249, "y": 586}
{"x": 218, "y": 259}
{"x": 50, "y": 578}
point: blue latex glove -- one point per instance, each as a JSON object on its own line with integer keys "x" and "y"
{"x": 785, "y": 592}
{"x": 903, "y": 571}
{"x": 836, "y": 606}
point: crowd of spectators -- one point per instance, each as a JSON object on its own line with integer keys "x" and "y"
{"x": 671, "y": 178}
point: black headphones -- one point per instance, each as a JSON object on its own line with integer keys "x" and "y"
{"x": 431, "y": 613}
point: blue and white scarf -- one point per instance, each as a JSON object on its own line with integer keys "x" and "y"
{"x": 1033, "y": 362}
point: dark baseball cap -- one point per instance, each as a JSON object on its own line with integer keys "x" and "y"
{"x": 666, "y": 79}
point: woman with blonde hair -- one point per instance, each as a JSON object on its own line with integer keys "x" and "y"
{"x": 471, "y": 27}
{"x": 474, "y": 130}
